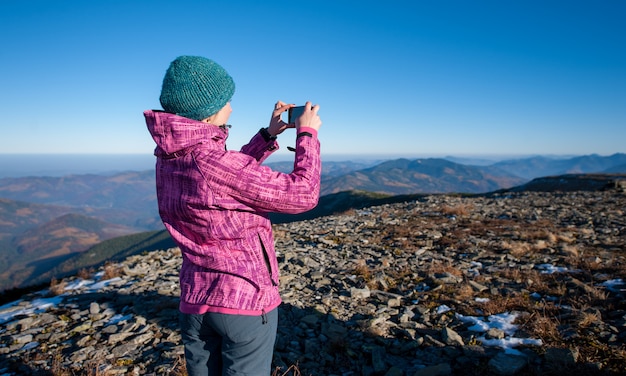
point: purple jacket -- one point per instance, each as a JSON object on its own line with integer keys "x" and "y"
{"x": 215, "y": 205}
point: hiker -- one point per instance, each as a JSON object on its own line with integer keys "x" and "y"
{"x": 215, "y": 204}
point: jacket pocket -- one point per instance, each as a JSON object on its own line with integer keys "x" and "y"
{"x": 268, "y": 264}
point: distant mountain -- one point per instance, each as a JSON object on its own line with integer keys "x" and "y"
{"x": 573, "y": 182}
{"x": 342, "y": 201}
{"x": 329, "y": 168}
{"x": 472, "y": 161}
{"x": 432, "y": 175}
{"x": 530, "y": 168}
{"x": 17, "y": 218}
{"x": 29, "y": 254}
{"x": 619, "y": 169}
{"x": 127, "y": 198}
{"x": 66, "y": 234}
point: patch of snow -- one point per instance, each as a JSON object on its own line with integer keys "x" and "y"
{"x": 503, "y": 321}
{"x": 551, "y": 269}
{"x": 38, "y": 305}
{"x": 615, "y": 285}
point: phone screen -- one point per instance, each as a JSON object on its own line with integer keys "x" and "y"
{"x": 294, "y": 113}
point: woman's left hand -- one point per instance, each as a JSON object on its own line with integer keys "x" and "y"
{"x": 277, "y": 125}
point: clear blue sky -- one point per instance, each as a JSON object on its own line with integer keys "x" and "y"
{"x": 401, "y": 78}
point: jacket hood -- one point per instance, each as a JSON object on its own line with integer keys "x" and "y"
{"x": 173, "y": 133}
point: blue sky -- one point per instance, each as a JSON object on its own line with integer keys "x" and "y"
{"x": 393, "y": 78}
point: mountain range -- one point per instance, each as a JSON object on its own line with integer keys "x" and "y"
{"x": 47, "y": 222}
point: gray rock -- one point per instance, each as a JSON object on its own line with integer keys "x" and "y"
{"x": 442, "y": 369}
{"x": 452, "y": 338}
{"x": 495, "y": 333}
{"x": 507, "y": 365}
{"x": 94, "y": 308}
{"x": 562, "y": 357}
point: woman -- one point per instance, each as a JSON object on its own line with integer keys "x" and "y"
{"x": 215, "y": 205}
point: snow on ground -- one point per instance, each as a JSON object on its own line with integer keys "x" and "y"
{"x": 21, "y": 307}
{"x": 503, "y": 321}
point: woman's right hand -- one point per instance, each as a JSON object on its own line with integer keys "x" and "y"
{"x": 309, "y": 118}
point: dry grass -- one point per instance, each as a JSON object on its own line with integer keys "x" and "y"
{"x": 85, "y": 273}
{"x": 57, "y": 368}
{"x": 517, "y": 248}
{"x": 111, "y": 270}
{"x": 542, "y": 325}
{"x": 57, "y": 287}
{"x": 293, "y": 370}
{"x": 362, "y": 270}
{"x": 462, "y": 293}
{"x": 499, "y": 304}
{"x": 279, "y": 234}
{"x": 106, "y": 367}
{"x": 587, "y": 319}
{"x": 459, "y": 210}
{"x": 180, "y": 366}
{"x": 436, "y": 267}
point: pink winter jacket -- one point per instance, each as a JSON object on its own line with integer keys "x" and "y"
{"x": 215, "y": 205}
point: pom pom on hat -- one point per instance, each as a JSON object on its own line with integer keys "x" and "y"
{"x": 195, "y": 87}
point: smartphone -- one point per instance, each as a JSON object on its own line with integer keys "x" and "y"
{"x": 294, "y": 113}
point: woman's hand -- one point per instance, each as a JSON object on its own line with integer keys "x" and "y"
{"x": 277, "y": 125}
{"x": 309, "y": 117}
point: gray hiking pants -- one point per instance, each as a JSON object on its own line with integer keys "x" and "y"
{"x": 218, "y": 344}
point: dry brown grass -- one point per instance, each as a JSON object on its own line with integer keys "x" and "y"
{"x": 441, "y": 268}
{"x": 279, "y": 234}
{"x": 85, "y": 273}
{"x": 57, "y": 287}
{"x": 538, "y": 234}
{"x": 464, "y": 293}
{"x": 180, "y": 366}
{"x": 587, "y": 319}
{"x": 98, "y": 367}
{"x": 103, "y": 367}
{"x": 57, "y": 368}
{"x": 542, "y": 325}
{"x": 111, "y": 270}
{"x": 362, "y": 270}
{"x": 293, "y": 370}
{"x": 459, "y": 210}
{"x": 498, "y": 304}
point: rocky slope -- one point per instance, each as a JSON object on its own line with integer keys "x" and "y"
{"x": 505, "y": 284}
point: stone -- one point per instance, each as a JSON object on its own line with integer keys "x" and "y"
{"x": 94, "y": 308}
{"x": 357, "y": 293}
{"x": 495, "y": 333}
{"x": 442, "y": 369}
{"x": 451, "y": 338}
{"x": 563, "y": 357}
{"x": 507, "y": 365}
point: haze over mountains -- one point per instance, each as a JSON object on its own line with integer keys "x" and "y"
{"x": 47, "y": 220}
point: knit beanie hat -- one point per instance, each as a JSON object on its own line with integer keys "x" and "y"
{"x": 195, "y": 87}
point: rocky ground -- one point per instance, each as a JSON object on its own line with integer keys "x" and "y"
{"x": 506, "y": 284}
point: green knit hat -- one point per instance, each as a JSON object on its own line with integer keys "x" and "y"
{"x": 195, "y": 87}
